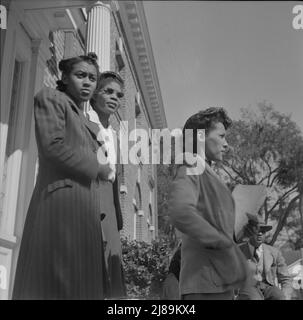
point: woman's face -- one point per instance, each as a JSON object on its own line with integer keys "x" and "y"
{"x": 215, "y": 142}
{"x": 81, "y": 82}
{"x": 108, "y": 99}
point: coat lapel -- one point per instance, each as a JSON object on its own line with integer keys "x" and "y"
{"x": 214, "y": 174}
{"x": 91, "y": 126}
{"x": 73, "y": 104}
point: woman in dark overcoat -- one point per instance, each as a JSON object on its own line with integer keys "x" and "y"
{"x": 61, "y": 254}
{"x": 106, "y": 101}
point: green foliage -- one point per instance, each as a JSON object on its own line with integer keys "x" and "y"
{"x": 145, "y": 266}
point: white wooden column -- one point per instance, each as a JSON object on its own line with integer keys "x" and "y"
{"x": 98, "y": 32}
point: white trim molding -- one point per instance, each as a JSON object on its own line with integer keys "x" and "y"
{"x": 53, "y": 4}
{"x": 134, "y": 22}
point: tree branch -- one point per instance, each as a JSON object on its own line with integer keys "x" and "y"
{"x": 251, "y": 171}
{"x": 276, "y": 176}
{"x": 248, "y": 173}
{"x": 282, "y": 219}
{"x": 266, "y": 212}
{"x": 229, "y": 174}
{"x": 231, "y": 166}
{"x": 269, "y": 168}
{"x": 285, "y": 195}
{"x": 260, "y": 182}
{"x": 239, "y": 173}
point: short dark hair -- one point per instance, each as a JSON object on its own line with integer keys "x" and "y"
{"x": 205, "y": 119}
{"x": 103, "y": 78}
{"x": 106, "y": 75}
{"x": 66, "y": 66}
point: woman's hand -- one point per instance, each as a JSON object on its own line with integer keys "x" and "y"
{"x": 104, "y": 172}
{"x": 111, "y": 176}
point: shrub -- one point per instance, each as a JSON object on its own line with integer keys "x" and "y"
{"x": 145, "y": 266}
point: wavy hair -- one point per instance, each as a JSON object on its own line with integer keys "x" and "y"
{"x": 66, "y": 67}
{"x": 205, "y": 119}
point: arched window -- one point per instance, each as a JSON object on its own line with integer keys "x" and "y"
{"x": 138, "y": 214}
{"x": 138, "y": 197}
{"x": 123, "y": 187}
{"x": 150, "y": 215}
{"x": 137, "y": 105}
{"x": 150, "y": 224}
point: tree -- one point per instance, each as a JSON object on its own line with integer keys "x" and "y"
{"x": 267, "y": 149}
{"x": 165, "y": 176}
{"x": 292, "y": 234}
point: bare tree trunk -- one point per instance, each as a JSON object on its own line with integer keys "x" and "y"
{"x": 266, "y": 211}
{"x": 283, "y": 218}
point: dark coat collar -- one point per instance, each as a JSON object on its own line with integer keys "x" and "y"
{"x": 91, "y": 126}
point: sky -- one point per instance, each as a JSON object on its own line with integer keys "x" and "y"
{"x": 232, "y": 54}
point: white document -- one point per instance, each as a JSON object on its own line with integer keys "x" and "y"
{"x": 248, "y": 199}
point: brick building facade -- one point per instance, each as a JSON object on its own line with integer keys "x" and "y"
{"x": 39, "y": 34}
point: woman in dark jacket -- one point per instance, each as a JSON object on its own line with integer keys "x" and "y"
{"x": 170, "y": 287}
{"x": 202, "y": 207}
{"x": 61, "y": 254}
{"x": 105, "y": 103}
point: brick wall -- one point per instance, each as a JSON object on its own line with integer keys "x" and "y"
{"x": 136, "y": 176}
{"x": 59, "y": 45}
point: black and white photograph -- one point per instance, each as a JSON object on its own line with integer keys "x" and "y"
{"x": 151, "y": 150}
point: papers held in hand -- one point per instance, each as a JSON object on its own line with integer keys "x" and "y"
{"x": 248, "y": 199}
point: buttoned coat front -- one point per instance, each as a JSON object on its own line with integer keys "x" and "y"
{"x": 61, "y": 254}
{"x": 112, "y": 220}
{"x": 202, "y": 208}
